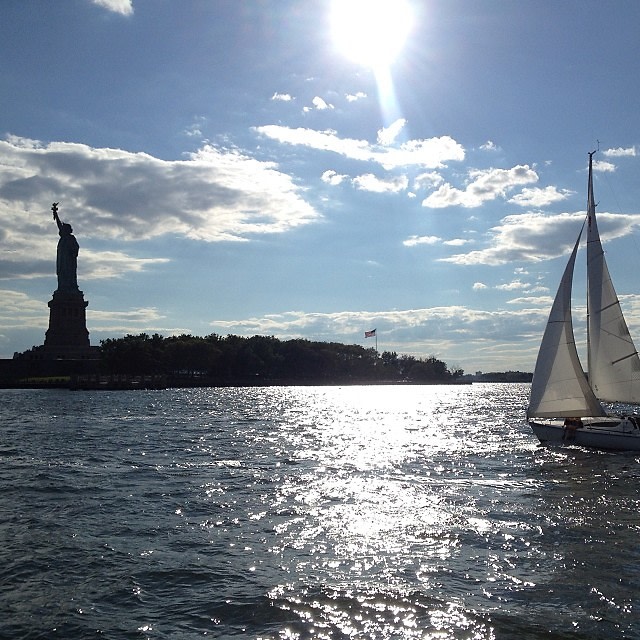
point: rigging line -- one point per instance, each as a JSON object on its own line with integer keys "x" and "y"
{"x": 613, "y": 304}
{"x": 635, "y": 353}
{"x": 616, "y": 335}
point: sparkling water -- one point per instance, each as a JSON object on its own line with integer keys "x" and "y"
{"x": 308, "y": 512}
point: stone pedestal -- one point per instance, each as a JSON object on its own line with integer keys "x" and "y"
{"x": 67, "y": 336}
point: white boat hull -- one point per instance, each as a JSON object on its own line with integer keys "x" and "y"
{"x": 612, "y": 434}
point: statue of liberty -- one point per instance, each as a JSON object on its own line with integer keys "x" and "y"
{"x": 67, "y": 258}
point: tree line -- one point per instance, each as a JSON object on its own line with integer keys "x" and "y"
{"x": 265, "y": 360}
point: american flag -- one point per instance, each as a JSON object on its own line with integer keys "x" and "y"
{"x": 370, "y": 334}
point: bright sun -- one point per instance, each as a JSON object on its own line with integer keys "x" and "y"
{"x": 371, "y": 32}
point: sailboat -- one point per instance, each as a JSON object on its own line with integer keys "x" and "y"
{"x": 566, "y": 404}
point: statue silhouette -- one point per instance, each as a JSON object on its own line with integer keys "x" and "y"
{"x": 67, "y": 258}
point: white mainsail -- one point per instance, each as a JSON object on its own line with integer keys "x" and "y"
{"x": 614, "y": 366}
{"x": 559, "y": 387}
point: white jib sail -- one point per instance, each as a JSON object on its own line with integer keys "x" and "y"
{"x": 559, "y": 387}
{"x": 614, "y": 366}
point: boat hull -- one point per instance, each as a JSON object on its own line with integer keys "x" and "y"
{"x": 613, "y": 435}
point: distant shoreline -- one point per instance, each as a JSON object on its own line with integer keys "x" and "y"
{"x": 126, "y": 382}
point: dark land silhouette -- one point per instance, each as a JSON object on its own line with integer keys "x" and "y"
{"x": 267, "y": 359}
{"x": 215, "y": 360}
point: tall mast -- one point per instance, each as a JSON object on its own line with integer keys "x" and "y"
{"x": 591, "y": 212}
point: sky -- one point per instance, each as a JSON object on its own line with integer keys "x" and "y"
{"x": 294, "y": 169}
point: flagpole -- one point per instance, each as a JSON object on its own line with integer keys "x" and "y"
{"x": 372, "y": 334}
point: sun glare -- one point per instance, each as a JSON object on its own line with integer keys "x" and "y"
{"x": 371, "y": 32}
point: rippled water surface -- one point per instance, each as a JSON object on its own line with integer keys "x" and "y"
{"x": 308, "y": 512}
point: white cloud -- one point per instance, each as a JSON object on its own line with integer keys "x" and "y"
{"x": 332, "y": 177}
{"x": 369, "y": 182}
{"x": 32, "y": 249}
{"x": 479, "y": 286}
{"x": 113, "y": 194}
{"x": 352, "y": 97}
{"x": 538, "y": 197}
{"x": 534, "y": 237}
{"x": 195, "y": 129}
{"x": 489, "y": 146}
{"x": 387, "y": 136}
{"x": 484, "y": 185}
{"x": 431, "y": 153}
{"x": 428, "y": 180}
{"x": 605, "y": 167}
{"x": 537, "y": 301}
{"x": 216, "y": 194}
{"x": 527, "y": 237}
{"x": 19, "y": 311}
{"x": 619, "y": 152}
{"x": 319, "y": 104}
{"x": 128, "y": 321}
{"x": 413, "y": 241}
{"x": 281, "y": 97}
{"x": 124, "y": 7}
{"x": 537, "y": 288}
{"x": 512, "y": 286}
{"x": 113, "y": 264}
{"x": 327, "y": 140}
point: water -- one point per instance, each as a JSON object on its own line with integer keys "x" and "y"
{"x": 315, "y": 512}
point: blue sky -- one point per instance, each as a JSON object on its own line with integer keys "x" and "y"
{"x": 231, "y": 167}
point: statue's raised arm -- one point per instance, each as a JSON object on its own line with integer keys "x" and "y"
{"x": 54, "y": 208}
{"x": 67, "y": 257}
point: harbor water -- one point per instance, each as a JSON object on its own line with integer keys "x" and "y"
{"x": 308, "y": 512}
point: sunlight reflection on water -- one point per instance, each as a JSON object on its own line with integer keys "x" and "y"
{"x": 309, "y": 512}
{"x": 392, "y": 499}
